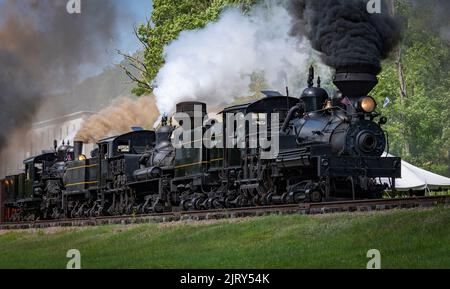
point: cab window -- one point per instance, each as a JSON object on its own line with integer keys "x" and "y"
{"x": 123, "y": 146}
{"x": 38, "y": 168}
{"x": 28, "y": 172}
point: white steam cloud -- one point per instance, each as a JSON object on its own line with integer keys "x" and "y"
{"x": 215, "y": 64}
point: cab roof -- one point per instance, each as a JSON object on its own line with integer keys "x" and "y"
{"x": 149, "y": 133}
{"x": 42, "y": 157}
{"x": 273, "y": 103}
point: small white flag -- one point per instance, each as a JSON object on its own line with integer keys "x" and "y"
{"x": 387, "y": 101}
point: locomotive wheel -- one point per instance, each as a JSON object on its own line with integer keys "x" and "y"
{"x": 56, "y": 213}
{"x": 185, "y": 205}
{"x": 201, "y": 204}
{"x": 228, "y": 202}
{"x": 209, "y": 204}
{"x": 240, "y": 202}
{"x": 316, "y": 197}
{"x": 196, "y": 204}
{"x": 158, "y": 207}
{"x": 269, "y": 199}
{"x": 256, "y": 201}
{"x": 217, "y": 203}
{"x": 31, "y": 217}
{"x": 212, "y": 203}
{"x": 285, "y": 198}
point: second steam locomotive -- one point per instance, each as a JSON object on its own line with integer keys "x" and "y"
{"x": 329, "y": 149}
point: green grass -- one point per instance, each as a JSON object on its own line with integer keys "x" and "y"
{"x": 406, "y": 239}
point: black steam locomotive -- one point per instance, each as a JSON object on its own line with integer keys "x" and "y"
{"x": 329, "y": 149}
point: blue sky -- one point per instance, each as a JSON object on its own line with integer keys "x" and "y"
{"x": 138, "y": 11}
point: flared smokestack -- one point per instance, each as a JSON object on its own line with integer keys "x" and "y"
{"x": 77, "y": 149}
{"x": 194, "y": 110}
{"x": 355, "y": 84}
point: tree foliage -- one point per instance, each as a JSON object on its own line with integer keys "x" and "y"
{"x": 419, "y": 113}
{"x": 419, "y": 120}
{"x": 169, "y": 18}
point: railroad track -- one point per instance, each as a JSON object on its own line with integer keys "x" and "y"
{"x": 304, "y": 209}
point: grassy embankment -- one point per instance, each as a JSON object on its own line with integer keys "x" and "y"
{"x": 406, "y": 239}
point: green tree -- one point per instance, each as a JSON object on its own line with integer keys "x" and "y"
{"x": 417, "y": 80}
{"x": 169, "y": 18}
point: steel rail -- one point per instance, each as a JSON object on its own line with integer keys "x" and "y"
{"x": 304, "y": 208}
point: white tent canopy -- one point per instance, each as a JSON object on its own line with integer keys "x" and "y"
{"x": 414, "y": 178}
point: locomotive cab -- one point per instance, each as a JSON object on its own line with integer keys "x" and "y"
{"x": 36, "y": 169}
{"x": 119, "y": 155}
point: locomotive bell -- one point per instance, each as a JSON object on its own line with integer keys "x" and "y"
{"x": 314, "y": 98}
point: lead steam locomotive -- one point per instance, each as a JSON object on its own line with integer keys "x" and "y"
{"x": 329, "y": 149}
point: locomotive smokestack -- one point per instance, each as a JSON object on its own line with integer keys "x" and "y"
{"x": 355, "y": 83}
{"x": 195, "y": 110}
{"x": 77, "y": 149}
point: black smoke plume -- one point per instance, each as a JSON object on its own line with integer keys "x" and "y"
{"x": 43, "y": 49}
{"x": 347, "y": 35}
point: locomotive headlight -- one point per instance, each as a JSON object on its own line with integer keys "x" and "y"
{"x": 367, "y": 104}
{"x": 82, "y": 158}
